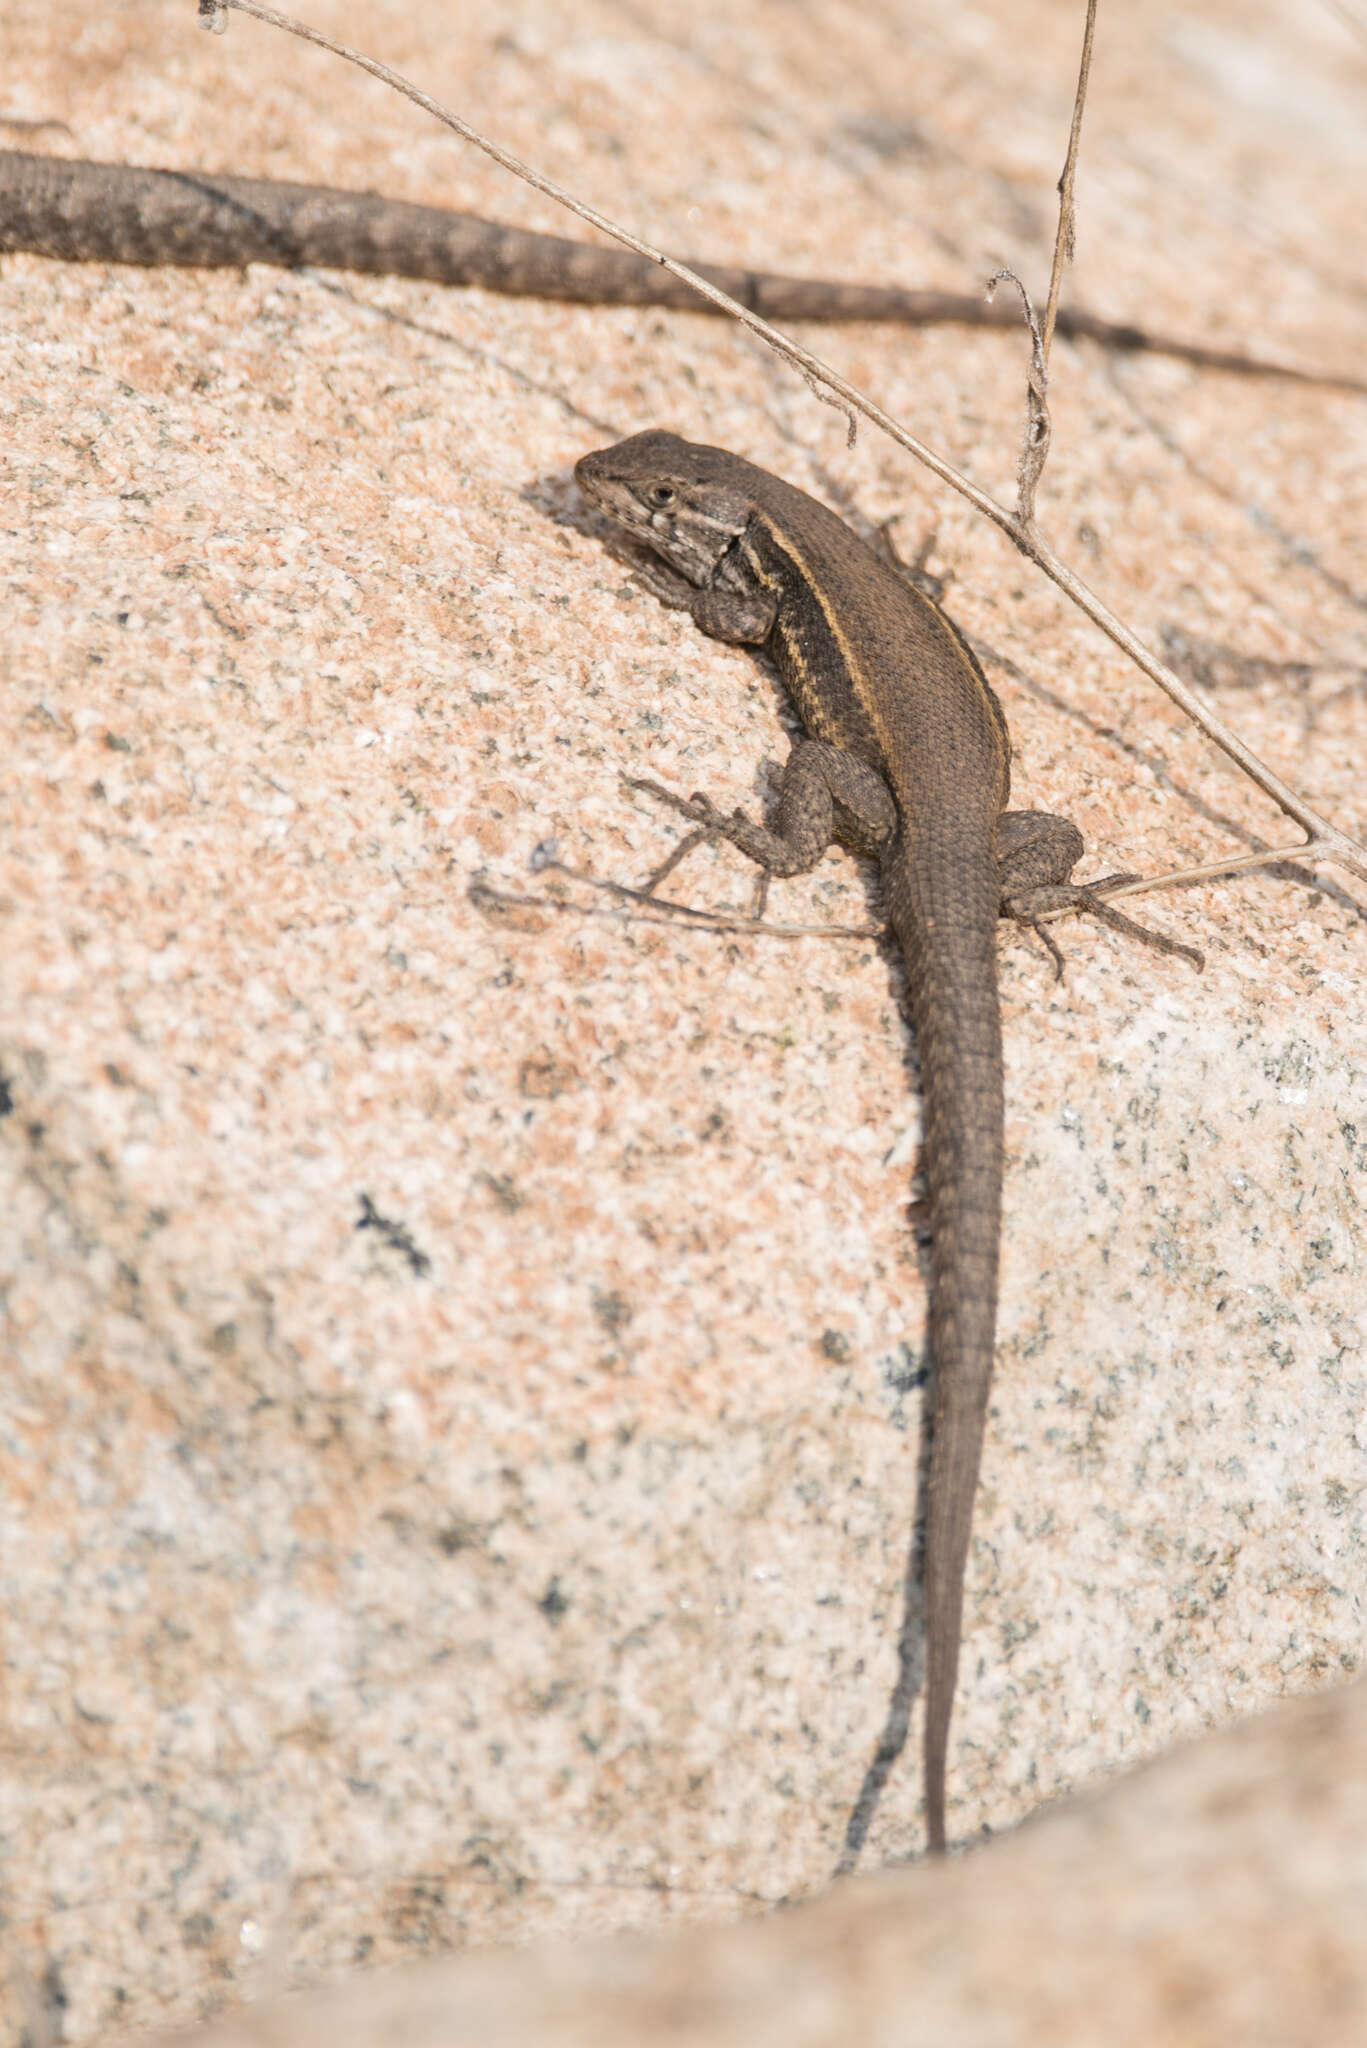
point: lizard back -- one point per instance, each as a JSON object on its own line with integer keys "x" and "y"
{"x": 874, "y": 666}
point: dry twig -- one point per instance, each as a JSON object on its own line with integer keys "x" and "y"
{"x": 1323, "y": 842}
{"x": 1065, "y": 234}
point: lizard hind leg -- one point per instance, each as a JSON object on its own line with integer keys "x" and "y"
{"x": 1036, "y": 854}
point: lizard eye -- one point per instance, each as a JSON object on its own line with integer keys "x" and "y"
{"x": 661, "y": 495}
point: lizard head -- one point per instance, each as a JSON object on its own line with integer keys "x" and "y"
{"x": 679, "y": 497}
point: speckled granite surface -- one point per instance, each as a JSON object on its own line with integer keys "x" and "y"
{"x": 531, "y": 1556}
{"x": 1219, "y": 1894}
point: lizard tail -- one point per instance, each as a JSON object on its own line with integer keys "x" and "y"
{"x": 952, "y": 962}
{"x": 961, "y": 1344}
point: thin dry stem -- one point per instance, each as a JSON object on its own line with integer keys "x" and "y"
{"x": 1038, "y": 425}
{"x": 1324, "y": 840}
{"x": 1306, "y": 851}
{"x": 1067, "y": 219}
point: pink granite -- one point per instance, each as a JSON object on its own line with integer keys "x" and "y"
{"x": 532, "y": 1557}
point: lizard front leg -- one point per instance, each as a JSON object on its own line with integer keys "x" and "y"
{"x": 744, "y": 617}
{"x": 825, "y": 794}
{"x": 1036, "y": 854}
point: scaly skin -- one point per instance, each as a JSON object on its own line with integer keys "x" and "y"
{"x": 907, "y": 757}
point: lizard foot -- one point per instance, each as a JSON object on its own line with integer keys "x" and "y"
{"x": 1089, "y": 900}
{"x": 1030, "y": 907}
{"x": 707, "y": 819}
{"x": 710, "y": 824}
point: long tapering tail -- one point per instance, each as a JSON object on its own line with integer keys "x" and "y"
{"x": 944, "y": 907}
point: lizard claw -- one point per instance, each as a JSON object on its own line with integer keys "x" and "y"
{"x": 707, "y": 823}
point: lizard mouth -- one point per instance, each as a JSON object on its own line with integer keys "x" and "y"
{"x": 610, "y": 495}
{"x": 591, "y": 479}
{"x": 632, "y": 552}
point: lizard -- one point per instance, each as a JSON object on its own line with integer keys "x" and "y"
{"x": 85, "y": 212}
{"x": 905, "y": 756}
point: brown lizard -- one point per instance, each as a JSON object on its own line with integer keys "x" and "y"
{"x": 86, "y": 212}
{"x": 906, "y": 757}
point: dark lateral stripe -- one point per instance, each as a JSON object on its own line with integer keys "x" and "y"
{"x": 800, "y": 578}
{"x": 868, "y": 699}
